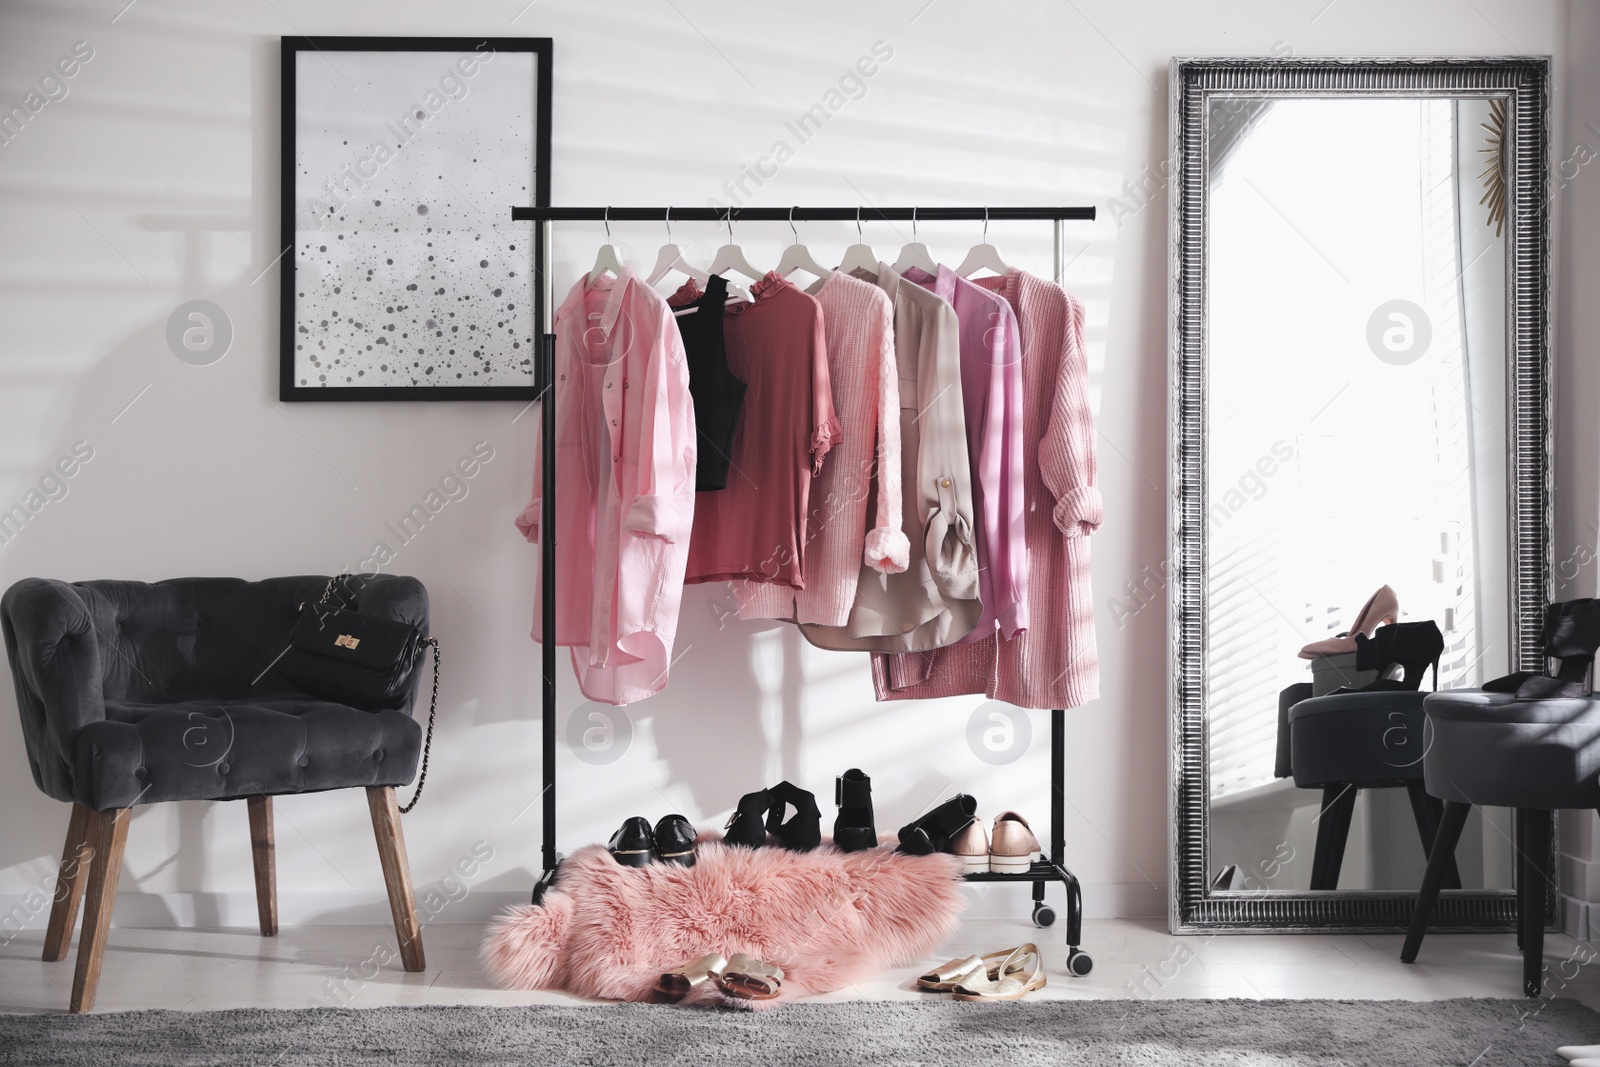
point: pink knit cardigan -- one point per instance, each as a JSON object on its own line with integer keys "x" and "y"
{"x": 858, "y": 322}
{"x": 1053, "y": 663}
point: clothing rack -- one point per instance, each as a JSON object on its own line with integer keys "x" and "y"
{"x": 1052, "y": 867}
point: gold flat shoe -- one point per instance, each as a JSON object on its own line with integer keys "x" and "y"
{"x": 948, "y": 975}
{"x": 673, "y": 986}
{"x": 1021, "y": 973}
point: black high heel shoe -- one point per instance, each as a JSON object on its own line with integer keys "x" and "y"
{"x": 1571, "y": 635}
{"x": 854, "y": 829}
{"x": 932, "y": 832}
{"x": 1412, "y": 646}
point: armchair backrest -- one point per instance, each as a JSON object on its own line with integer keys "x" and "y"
{"x": 75, "y": 646}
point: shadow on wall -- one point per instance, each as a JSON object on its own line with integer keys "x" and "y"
{"x": 197, "y": 468}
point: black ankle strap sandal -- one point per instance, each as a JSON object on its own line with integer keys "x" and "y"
{"x": 745, "y": 826}
{"x": 762, "y": 813}
{"x": 803, "y": 830}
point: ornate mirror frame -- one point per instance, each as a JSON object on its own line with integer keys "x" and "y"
{"x": 1525, "y": 84}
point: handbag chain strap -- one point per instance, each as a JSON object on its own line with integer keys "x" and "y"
{"x": 433, "y": 704}
{"x": 427, "y": 742}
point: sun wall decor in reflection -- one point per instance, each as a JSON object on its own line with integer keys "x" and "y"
{"x": 1493, "y": 175}
{"x": 404, "y": 277}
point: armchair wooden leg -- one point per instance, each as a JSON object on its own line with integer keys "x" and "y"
{"x": 265, "y": 859}
{"x": 108, "y": 833}
{"x": 70, "y": 877}
{"x": 396, "y": 874}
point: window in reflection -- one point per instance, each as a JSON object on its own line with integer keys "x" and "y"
{"x": 1357, "y": 372}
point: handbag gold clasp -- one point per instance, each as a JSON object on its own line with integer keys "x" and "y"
{"x": 346, "y": 641}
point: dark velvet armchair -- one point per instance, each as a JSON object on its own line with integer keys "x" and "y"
{"x": 135, "y": 693}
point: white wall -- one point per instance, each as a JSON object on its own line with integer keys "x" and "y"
{"x": 156, "y": 181}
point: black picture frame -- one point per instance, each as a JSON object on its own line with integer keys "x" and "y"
{"x": 292, "y": 47}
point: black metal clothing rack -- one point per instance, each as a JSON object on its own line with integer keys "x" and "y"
{"x": 1052, "y": 867}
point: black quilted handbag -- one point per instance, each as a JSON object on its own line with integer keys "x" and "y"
{"x": 360, "y": 660}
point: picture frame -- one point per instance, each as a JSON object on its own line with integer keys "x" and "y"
{"x": 402, "y": 275}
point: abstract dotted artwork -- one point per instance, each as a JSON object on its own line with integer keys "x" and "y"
{"x": 405, "y": 277}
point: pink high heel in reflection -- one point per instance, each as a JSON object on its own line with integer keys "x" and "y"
{"x": 1382, "y": 607}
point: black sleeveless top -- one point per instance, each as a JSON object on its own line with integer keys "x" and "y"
{"x": 718, "y": 395}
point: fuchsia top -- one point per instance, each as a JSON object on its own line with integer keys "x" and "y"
{"x": 755, "y": 528}
{"x": 991, "y": 396}
{"x": 625, "y": 474}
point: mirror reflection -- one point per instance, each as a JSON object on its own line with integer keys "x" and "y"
{"x": 1357, "y": 479}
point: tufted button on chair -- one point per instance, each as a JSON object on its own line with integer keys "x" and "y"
{"x": 136, "y": 693}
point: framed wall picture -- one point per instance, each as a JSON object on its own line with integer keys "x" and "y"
{"x": 403, "y": 276}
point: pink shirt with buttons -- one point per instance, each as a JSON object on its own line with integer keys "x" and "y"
{"x": 625, "y": 476}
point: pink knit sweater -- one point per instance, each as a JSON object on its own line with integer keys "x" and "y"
{"x": 859, "y": 327}
{"x": 1053, "y": 663}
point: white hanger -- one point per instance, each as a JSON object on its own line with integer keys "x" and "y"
{"x": 916, "y": 253}
{"x": 860, "y": 255}
{"x": 731, "y": 257}
{"x": 798, "y": 257}
{"x": 606, "y": 259}
{"x": 983, "y": 256}
{"x": 670, "y": 258}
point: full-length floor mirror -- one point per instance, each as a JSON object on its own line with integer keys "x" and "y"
{"x": 1360, "y": 447}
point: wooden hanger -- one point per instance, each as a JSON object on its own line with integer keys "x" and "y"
{"x": 916, "y": 253}
{"x": 670, "y": 259}
{"x": 983, "y": 256}
{"x": 731, "y": 257}
{"x": 860, "y": 255}
{"x": 798, "y": 257}
{"x": 606, "y": 259}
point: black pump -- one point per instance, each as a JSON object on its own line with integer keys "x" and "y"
{"x": 1413, "y": 646}
{"x": 1571, "y": 635}
{"x": 854, "y": 829}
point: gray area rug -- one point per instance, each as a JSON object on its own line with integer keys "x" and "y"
{"x": 1194, "y": 1033}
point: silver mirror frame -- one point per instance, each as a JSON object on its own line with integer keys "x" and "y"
{"x": 1525, "y": 82}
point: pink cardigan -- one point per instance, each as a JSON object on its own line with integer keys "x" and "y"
{"x": 1053, "y": 663}
{"x": 859, "y": 328}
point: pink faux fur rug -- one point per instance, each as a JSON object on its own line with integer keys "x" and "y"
{"x": 828, "y": 918}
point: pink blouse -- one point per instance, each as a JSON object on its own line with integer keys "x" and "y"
{"x": 755, "y": 528}
{"x": 1053, "y": 663}
{"x": 991, "y": 395}
{"x": 625, "y": 474}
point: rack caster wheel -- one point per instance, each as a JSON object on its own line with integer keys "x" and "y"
{"x": 1079, "y": 963}
{"x": 1043, "y": 915}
